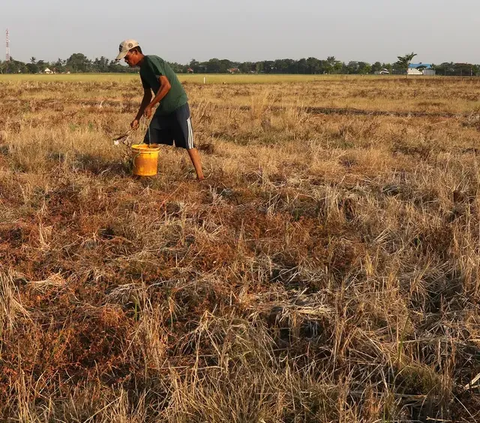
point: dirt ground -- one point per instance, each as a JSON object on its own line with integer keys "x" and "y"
{"x": 327, "y": 269}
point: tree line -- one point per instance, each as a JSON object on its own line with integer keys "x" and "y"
{"x": 79, "y": 63}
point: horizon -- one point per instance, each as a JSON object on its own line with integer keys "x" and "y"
{"x": 413, "y": 62}
{"x": 369, "y": 32}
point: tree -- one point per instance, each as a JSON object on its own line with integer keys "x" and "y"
{"x": 281, "y": 66}
{"x": 443, "y": 68}
{"x": 463, "y": 69}
{"x": 358, "y": 68}
{"x": 195, "y": 65}
{"x": 403, "y": 62}
{"x": 364, "y": 68}
{"x": 329, "y": 64}
{"x": 267, "y": 66}
{"x": 247, "y": 67}
{"x": 352, "y": 67}
{"x": 41, "y": 64}
{"x": 302, "y": 66}
{"x": 13, "y": 66}
{"x": 116, "y": 67}
{"x": 332, "y": 65}
{"x": 308, "y": 66}
{"x": 78, "y": 62}
{"x": 58, "y": 66}
{"x": 213, "y": 65}
{"x": 377, "y": 67}
{"x": 226, "y": 64}
{"x": 32, "y": 68}
{"x": 100, "y": 65}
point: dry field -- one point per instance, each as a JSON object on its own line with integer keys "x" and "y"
{"x": 327, "y": 270}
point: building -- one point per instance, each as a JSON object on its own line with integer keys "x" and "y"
{"x": 420, "y": 69}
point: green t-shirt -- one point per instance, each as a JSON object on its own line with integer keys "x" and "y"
{"x": 152, "y": 68}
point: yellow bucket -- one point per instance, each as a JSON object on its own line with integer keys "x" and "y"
{"x": 145, "y": 159}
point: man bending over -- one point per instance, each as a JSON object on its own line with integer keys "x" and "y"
{"x": 171, "y": 121}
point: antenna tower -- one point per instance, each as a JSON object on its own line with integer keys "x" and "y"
{"x": 7, "y": 56}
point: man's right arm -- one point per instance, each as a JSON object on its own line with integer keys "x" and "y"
{"x": 147, "y": 97}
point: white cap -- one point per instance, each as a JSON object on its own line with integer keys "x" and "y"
{"x": 125, "y": 47}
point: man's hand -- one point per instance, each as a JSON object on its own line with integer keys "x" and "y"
{"x": 148, "y": 111}
{"x": 134, "y": 124}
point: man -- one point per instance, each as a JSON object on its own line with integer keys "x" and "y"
{"x": 171, "y": 120}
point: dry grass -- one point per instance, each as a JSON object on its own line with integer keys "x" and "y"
{"x": 326, "y": 271}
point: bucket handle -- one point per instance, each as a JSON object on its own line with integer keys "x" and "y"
{"x": 134, "y": 159}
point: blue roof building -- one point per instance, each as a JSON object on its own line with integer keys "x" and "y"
{"x": 420, "y": 69}
{"x": 420, "y": 65}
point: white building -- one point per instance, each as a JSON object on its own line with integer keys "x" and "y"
{"x": 420, "y": 69}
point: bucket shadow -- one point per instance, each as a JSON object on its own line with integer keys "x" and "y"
{"x": 98, "y": 166}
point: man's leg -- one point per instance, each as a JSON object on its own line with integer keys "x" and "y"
{"x": 195, "y": 158}
{"x": 183, "y": 135}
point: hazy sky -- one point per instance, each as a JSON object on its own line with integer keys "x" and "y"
{"x": 246, "y": 30}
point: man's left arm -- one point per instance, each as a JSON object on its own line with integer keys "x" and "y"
{"x": 162, "y": 92}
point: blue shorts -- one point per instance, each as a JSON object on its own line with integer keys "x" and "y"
{"x": 173, "y": 129}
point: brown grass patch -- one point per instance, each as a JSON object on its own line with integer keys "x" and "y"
{"x": 326, "y": 270}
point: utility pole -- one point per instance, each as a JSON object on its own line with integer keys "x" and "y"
{"x": 7, "y": 55}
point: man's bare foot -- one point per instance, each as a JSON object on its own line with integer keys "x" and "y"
{"x": 195, "y": 157}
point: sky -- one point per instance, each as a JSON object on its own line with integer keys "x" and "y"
{"x": 246, "y": 30}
